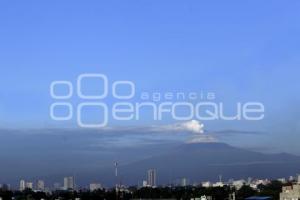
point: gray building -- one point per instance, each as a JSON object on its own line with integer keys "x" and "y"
{"x": 40, "y": 185}
{"x": 151, "y": 181}
{"x": 69, "y": 183}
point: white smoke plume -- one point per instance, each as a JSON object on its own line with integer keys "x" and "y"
{"x": 192, "y": 126}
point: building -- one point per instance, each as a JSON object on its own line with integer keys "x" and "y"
{"x": 29, "y": 185}
{"x": 40, "y": 185}
{"x": 290, "y": 192}
{"x": 218, "y": 184}
{"x": 261, "y": 181}
{"x": 206, "y": 184}
{"x": 22, "y": 185}
{"x": 282, "y": 180}
{"x": 145, "y": 183}
{"x": 238, "y": 183}
{"x": 184, "y": 182}
{"x": 69, "y": 183}
{"x": 95, "y": 186}
{"x": 291, "y": 179}
{"x": 151, "y": 177}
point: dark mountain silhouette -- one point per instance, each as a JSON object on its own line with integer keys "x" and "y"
{"x": 206, "y": 161}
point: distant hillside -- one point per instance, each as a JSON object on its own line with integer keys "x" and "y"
{"x": 205, "y": 161}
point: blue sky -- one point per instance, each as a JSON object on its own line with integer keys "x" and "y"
{"x": 241, "y": 50}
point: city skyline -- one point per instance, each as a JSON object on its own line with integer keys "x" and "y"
{"x": 69, "y": 184}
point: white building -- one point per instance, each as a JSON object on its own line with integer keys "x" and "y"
{"x": 29, "y": 185}
{"x": 69, "y": 183}
{"x": 261, "y": 181}
{"x": 218, "y": 184}
{"x": 145, "y": 183}
{"x": 95, "y": 186}
{"x": 206, "y": 184}
{"x": 290, "y": 192}
{"x": 22, "y": 185}
{"x": 282, "y": 180}
{"x": 238, "y": 183}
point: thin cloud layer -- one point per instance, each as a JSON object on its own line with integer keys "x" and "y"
{"x": 202, "y": 139}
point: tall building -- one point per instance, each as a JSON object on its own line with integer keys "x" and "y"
{"x": 40, "y": 185}
{"x": 184, "y": 182}
{"x": 151, "y": 177}
{"x": 22, "y": 185}
{"x": 69, "y": 183}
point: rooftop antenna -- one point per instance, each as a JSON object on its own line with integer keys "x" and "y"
{"x": 116, "y": 169}
{"x": 116, "y": 175}
{"x": 74, "y": 183}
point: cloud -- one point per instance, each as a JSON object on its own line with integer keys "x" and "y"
{"x": 235, "y": 132}
{"x": 192, "y": 126}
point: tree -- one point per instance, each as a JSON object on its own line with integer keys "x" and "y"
{"x": 245, "y": 191}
